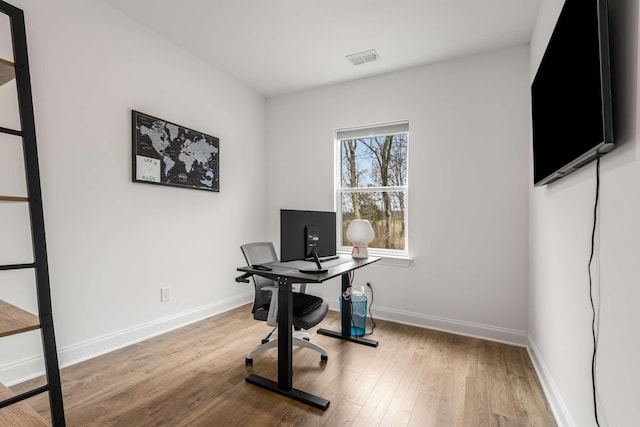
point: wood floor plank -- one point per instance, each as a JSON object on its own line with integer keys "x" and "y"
{"x": 476, "y": 408}
{"x": 401, "y": 404}
{"x": 195, "y": 376}
{"x": 425, "y": 411}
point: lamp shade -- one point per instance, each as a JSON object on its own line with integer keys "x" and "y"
{"x": 360, "y": 234}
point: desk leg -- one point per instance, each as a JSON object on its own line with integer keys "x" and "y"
{"x": 345, "y": 319}
{"x": 285, "y": 339}
{"x": 284, "y": 386}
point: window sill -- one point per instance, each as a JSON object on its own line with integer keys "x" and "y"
{"x": 386, "y": 259}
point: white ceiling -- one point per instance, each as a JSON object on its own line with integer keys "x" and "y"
{"x": 280, "y": 46}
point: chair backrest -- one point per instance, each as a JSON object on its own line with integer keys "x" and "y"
{"x": 260, "y": 253}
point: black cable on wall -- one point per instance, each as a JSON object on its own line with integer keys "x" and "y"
{"x": 593, "y": 307}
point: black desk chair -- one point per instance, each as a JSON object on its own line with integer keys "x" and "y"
{"x": 308, "y": 310}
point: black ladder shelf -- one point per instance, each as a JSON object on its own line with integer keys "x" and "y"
{"x": 13, "y": 320}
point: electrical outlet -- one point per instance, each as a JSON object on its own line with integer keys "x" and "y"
{"x": 164, "y": 294}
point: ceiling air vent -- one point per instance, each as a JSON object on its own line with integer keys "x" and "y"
{"x": 363, "y": 57}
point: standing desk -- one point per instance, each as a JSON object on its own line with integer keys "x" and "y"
{"x": 286, "y": 274}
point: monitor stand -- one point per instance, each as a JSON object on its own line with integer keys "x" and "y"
{"x": 318, "y": 270}
{"x": 324, "y": 258}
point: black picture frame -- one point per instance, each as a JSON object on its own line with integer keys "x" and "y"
{"x": 169, "y": 154}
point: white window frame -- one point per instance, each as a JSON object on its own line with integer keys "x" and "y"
{"x": 382, "y": 129}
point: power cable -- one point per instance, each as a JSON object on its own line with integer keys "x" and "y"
{"x": 593, "y": 308}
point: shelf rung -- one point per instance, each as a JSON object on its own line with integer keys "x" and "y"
{"x": 15, "y": 398}
{"x": 17, "y": 266}
{"x": 18, "y": 414}
{"x": 10, "y": 131}
{"x": 14, "y": 320}
{"x": 13, "y": 199}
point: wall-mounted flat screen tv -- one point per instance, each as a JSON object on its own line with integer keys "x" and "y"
{"x": 571, "y": 93}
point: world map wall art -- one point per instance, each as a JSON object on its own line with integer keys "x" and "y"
{"x": 170, "y": 154}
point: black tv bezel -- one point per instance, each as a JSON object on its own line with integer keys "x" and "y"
{"x": 607, "y": 143}
{"x": 292, "y": 233}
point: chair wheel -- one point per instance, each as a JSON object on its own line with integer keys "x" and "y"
{"x": 248, "y": 362}
{"x": 324, "y": 358}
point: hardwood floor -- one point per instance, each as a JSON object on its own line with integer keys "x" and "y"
{"x": 194, "y": 376}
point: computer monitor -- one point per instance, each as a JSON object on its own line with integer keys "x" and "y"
{"x": 304, "y": 232}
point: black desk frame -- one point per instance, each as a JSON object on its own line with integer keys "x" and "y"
{"x": 286, "y": 277}
{"x": 345, "y": 317}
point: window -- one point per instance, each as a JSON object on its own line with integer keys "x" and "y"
{"x": 372, "y": 184}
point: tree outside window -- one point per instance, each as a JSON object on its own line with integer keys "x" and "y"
{"x": 373, "y": 185}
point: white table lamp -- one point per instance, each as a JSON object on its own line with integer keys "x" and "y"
{"x": 360, "y": 234}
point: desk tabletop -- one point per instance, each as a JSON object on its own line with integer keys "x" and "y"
{"x": 290, "y": 271}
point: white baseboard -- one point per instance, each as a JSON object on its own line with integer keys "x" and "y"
{"x": 559, "y": 409}
{"x": 31, "y": 367}
{"x": 459, "y": 327}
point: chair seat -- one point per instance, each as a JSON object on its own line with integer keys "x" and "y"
{"x": 304, "y": 321}
{"x": 305, "y": 303}
{"x": 309, "y": 320}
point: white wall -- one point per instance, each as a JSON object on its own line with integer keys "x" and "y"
{"x": 468, "y": 175}
{"x": 113, "y": 243}
{"x": 560, "y": 231}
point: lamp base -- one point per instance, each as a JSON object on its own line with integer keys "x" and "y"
{"x": 360, "y": 252}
